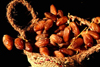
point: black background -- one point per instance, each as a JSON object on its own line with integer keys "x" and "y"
{"x": 85, "y": 9}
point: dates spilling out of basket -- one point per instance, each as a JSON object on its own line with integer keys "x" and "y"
{"x": 58, "y": 35}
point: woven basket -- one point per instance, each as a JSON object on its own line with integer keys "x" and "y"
{"x": 37, "y": 60}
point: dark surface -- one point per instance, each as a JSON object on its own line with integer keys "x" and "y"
{"x": 81, "y": 8}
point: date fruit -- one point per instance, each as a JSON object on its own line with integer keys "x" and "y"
{"x": 44, "y": 51}
{"x": 61, "y": 20}
{"x": 48, "y": 24}
{"x": 50, "y": 15}
{"x": 55, "y": 39}
{"x": 95, "y": 27}
{"x": 19, "y": 43}
{"x": 60, "y": 13}
{"x": 53, "y": 9}
{"x": 88, "y": 40}
{"x": 28, "y": 47}
{"x": 8, "y": 42}
{"x": 66, "y": 33}
{"x": 74, "y": 28}
{"x": 75, "y": 43}
{"x": 58, "y": 54}
{"x": 42, "y": 42}
{"x": 67, "y": 51}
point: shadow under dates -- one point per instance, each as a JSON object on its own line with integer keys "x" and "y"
{"x": 14, "y": 58}
{"x": 93, "y": 60}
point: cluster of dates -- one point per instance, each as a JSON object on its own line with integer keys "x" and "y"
{"x": 58, "y": 35}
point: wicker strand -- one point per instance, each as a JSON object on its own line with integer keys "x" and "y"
{"x": 10, "y": 7}
{"x": 83, "y": 21}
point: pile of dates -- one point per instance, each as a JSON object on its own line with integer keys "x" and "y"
{"x": 57, "y": 35}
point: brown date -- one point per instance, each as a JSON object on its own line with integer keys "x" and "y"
{"x": 28, "y": 47}
{"x": 96, "y": 20}
{"x": 39, "y": 26}
{"x": 58, "y": 54}
{"x": 44, "y": 51}
{"x": 94, "y": 27}
{"x": 61, "y": 20}
{"x": 88, "y": 40}
{"x": 74, "y": 28}
{"x": 94, "y": 34}
{"x": 41, "y": 36}
{"x": 75, "y": 43}
{"x": 60, "y": 33}
{"x": 55, "y": 39}
{"x": 63, "y": 44}
{"x": 66, "y": 51}
{"x": 60, "y": 13}
{"x": 19, "y": 43}
{"x": 42, "y": 42}
{"x": 53, "y": 9}
{"x": 8, "y": 42}
{"x": 39, "y": 32}
{"x": 66, "y": 34}
{"x": 62, "y": 27}
{"x": 50, "y": 15}
{"x": 48, "y": 24}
